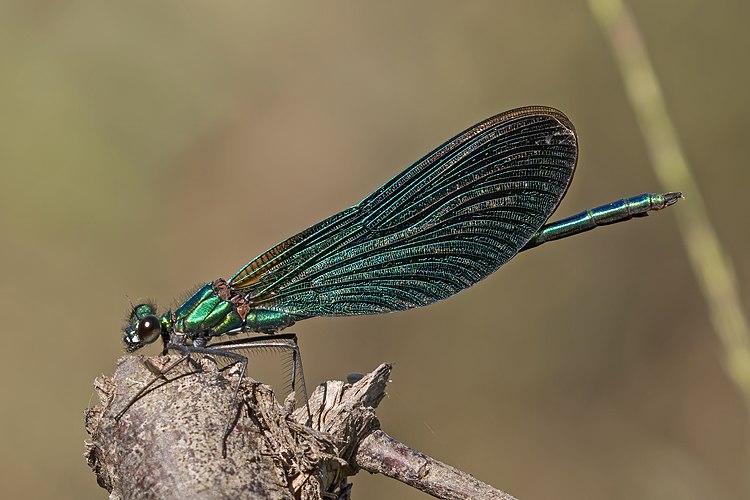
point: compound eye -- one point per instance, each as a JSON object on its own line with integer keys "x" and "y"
{"x": 149, "y": 328}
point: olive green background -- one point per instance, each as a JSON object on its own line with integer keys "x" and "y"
{"x": 147, "y": 147}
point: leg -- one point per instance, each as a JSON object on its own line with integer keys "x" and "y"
{"x": 160, "y": 374}
{"x": 227, "y": 350}
{"x": 282, "y": 341}
{"x": 237, "y": 358}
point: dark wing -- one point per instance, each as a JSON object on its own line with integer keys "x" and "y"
{"x": 440, "y": 226}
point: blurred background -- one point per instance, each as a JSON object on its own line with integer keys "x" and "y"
{"x": 147, "y": 147}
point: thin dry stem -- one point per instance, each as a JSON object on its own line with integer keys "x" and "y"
{"x": 711, "y": 264}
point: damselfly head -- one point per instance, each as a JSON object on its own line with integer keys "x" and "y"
{"x": 143, "y": 327}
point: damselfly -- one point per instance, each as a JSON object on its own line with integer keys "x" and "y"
{"x": 443, "y": 224}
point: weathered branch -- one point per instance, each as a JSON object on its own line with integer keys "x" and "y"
{"x": 380, "y": 453}
{"x": 168, "y": 444}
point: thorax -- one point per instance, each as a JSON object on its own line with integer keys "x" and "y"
{"x": 209, "y": 312}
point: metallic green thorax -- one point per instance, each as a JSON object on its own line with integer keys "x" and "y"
{"x": 214, "y": 310}
{"x": 205, "y": 312}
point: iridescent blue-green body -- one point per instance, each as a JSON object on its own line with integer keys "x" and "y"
{"x": 443, "y": 224}
{"x": 211, "y": 312}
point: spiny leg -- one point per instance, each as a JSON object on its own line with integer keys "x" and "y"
{"x": 226, "y": 349}
{"x": 297, "y": 363}
{"x": 160, "y": 374}
{"x": 297, "y": 371}
{"x": 238, "y": 358}
{"x": 282, "y": 341}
